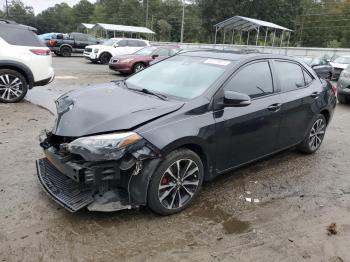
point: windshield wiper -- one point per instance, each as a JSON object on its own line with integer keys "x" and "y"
{"x": 148, "y": 92}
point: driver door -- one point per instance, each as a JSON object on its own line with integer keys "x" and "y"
{"x": 246, "y": 133}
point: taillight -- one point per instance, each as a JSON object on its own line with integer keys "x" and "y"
{"x": 51, "y": 42}
{"x": 334, "y": 89}
{"x": 40, "y": 51}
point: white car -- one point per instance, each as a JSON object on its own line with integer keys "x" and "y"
{"x": 24, "y": 61}
{"x": 338, "y": 65}
{"x": 112, "y": 47}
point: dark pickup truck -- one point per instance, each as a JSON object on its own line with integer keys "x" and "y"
{"x": 65, "y": 45}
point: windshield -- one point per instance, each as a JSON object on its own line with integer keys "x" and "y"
{"x": 146, "y": 50}
{"x": 110, "y": 42}
{"x": 180, "y": 76}
{"x": 342, "y": 60}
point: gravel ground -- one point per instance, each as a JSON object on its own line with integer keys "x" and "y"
{"x": 299, "y": 197}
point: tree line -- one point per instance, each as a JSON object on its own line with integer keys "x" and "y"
{"x": 317, "y": 23}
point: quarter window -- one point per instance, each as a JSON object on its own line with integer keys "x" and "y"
{"x": 290, "y": 75}
{"x": 308, "y": 78}
{"x": 254, "y": 80}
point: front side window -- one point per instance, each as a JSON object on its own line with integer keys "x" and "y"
{"x": 254, "y": 80}
{"x": 123, "y": 43}
{"x": 79, "y": 37}
{"x": 180, "y": 76}
{"x": 133, "y": 43}
{"x": 290, "y": 75}
{"x": 161, "y": 52}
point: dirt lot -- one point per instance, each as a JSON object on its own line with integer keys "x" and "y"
{"x": 299, "y": 197}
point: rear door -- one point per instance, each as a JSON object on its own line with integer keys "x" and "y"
{"x": 247, "y": 133}
{"x": 299, "y": 93}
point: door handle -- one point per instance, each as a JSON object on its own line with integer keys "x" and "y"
{"x": 274, "y": 107}
{"x": 315, "y": 95}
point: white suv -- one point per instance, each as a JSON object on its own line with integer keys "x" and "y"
{"x": 113, "y": 47}
{"x": 24, "y": 61}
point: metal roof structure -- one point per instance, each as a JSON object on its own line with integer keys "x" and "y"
{"x": 246, "y": 24}
{"x": 122, "y": 28}
{"x": 85, "y": 26}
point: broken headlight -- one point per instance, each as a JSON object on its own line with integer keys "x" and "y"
{"x": 103, "y": 147}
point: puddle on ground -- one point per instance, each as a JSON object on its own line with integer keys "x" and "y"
{"x": 212, "y": 212}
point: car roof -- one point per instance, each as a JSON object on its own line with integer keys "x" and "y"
{"x": 233, "y": 55}
{"x": 12, "y": 24}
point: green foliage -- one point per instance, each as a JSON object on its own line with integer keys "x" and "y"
{"x": 333, "y": 44}
{"x": 315, "y": 23}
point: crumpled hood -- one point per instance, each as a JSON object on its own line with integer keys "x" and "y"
{"x": 105, "y": 108}
{"x": 337, "y": 65}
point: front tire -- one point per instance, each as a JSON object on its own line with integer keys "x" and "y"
{"x": 176, "y": 183}
{"x": 138, "y": 67}
{"x": 57, "y": 53}
{"x": 13, "y": 86}
{"x": 104, "y": 58}
{"x": 315, "y": 136}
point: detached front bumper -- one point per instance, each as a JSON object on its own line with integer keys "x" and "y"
{"x": 101, "y": 185}
{"x": 63, "y": 190}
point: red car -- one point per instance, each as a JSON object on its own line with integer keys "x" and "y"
{"x": 138, "y": 61}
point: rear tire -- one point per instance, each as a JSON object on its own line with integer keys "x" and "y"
{"x": 341, "y": 99}
{"x": 66, "y": 51}
{"x": 315, "y": 136}
{"x": 104, "y": 58}
{"x": 176, "y": 182}
{"x": 13, "y": 86}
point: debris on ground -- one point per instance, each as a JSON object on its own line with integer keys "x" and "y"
{"x": 332, "y": 229}
{"x": 248, "y": 199}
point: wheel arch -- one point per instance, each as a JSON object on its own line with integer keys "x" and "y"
{"x": 20, "y": 68}
{"x": 104, "y": 52}
{"x": 66, "y": 45}
{"x": 326, "y": 114}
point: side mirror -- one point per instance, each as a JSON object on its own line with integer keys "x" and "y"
{"x": 154, "y": 56}
{"x": 115, "y": 45}
{"x": 234, "y": 99}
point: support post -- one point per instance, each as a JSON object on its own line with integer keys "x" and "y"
{"x": 233, "y": 36}
{"x": 257, "y": 36}
{"x": 248, "y": 38}
{"x": 240, "y": 37}
{"x": 182, "y": 21}
{"x": 282, "y": 38}
{"x": 274, "y": 36}
{"x": 267, "y": 30}
{"x": 216, "y": 33}
{"x": 288, "y": 39}
{"x": 223, "y": 41}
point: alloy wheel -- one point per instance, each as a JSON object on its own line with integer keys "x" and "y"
{"x": 139, "y": 67}
{"x": 178, "y": 184}
{"x": 11, "y": 87}
{"x": 317, "y": 134}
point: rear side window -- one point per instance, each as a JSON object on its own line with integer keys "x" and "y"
{"x": 133, "y": 43}
{"x": 254, "y": 80}
{"x": 307, "y": 77}
{"x": 19, "y": 36}
{"x": 290, "y": 75}
{"x": 161, "y": 52}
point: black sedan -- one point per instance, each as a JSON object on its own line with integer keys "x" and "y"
{"x": 155, "y": 137}
{"x": 320, "y": 65}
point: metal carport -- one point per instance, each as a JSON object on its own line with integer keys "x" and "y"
{"x": 121, "y": 28}
{"x": 245, "y": 24}
{"x": 85, "y": 27}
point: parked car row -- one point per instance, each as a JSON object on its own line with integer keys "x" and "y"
{"x": 24, "y": 61}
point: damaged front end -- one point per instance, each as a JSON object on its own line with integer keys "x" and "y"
{"x": 105, "y": 173}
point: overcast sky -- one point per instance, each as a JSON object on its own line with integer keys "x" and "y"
{"x": 40, "y": 5}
